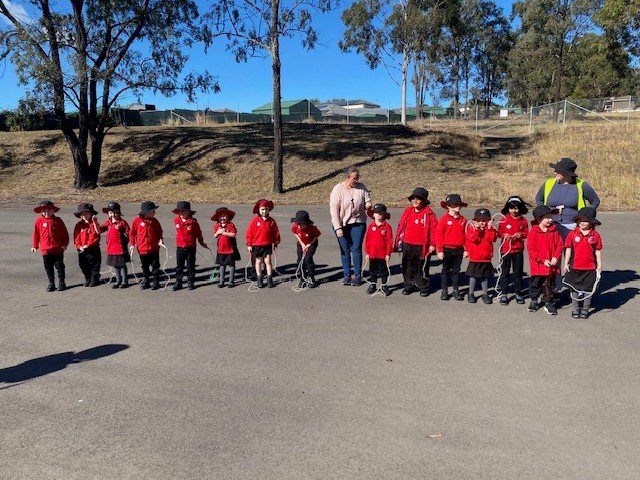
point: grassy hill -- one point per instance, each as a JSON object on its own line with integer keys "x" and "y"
{"x": 232, "y": 163}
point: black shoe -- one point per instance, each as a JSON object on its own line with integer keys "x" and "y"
{"x": 519, "y": 299}
{"x": 87, "y": 282}
{"x": 260, "y": 282}
{"x": 95, "y": 281}
{"x": 533, "y": 306}
{"x": 51, "y": 287}
{"x": 550, "y": 308}
{"x": 346, "y": 281}
{"x": 312, "y": 282}
{"x": 155, "y": 286}
{"x": 372, "y": 289}
{"x": 487, "y": 299}
{"x": 357, "y": 281}
{"x": 177, "y": 286}
{"x": 62, "y": 286}
{"x": 584, "y": 313}
{"x": 424, "y": 293}
{"x": 444, "y": 295}
{"x": 191, "y": 286}
{"x": 144, "y": 285}
{"x": 457, "y": 295}
{"x": 407, "y": 290}
{"x": 505, "y": 301}
{"x": 231, "y": 284}
{"x": 385, "y": 290}
{"x": 575, "y": 314}
{"x": 221, "y": 284}
{"x": 270, "y": 283}
{"x": 471, "y": 298}
{"x": 115, "y": 285}
{"x": 124, "y": 285}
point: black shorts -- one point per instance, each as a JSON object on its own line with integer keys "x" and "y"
{"x": 479, "y": 269}
{"x": 262, "y": 251}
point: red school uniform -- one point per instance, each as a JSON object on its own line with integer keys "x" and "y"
{"x": 262, "y": 232}
{"x": 50, "y": 235}
{"x": 146, "y": 233}
{"x": 417, "y": 228}
{"x": 378, "y": 242}
{"x": 544, "y": 246}
{"x": 85, "y": 235}
{"x": 479, "y": 244}
{"x": 450, "y": 232}
{"x": 187, "y": 232}
{"x": 510, "y": 226}
{"x": 225, "y": 244}
{"x": 306, "y": 235}
{"x": 583, "y": 248}
{"x": 117, "y": 236}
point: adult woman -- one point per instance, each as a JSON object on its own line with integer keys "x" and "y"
{"x": 348, "y": 205}
{"x": 567, "y": 193}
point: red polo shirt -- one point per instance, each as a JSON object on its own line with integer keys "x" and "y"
{"x": 583, "y": 248}
{"x": 262, "y": 232}
{"x": 306, "y": 235}
{"x": 510, "y": 226}
{"x": 479, "y": 244}
{"x": 50, "y": 235}
{"x": 378, "y": 243}
{"x": 187, "y": 232}
{"x": 225, "y": 244}
{"x": 117, "y": 236}
{"x": 146, "y": 233}
{"x": 84, "y": 234}
{"x": 450, "y": 232}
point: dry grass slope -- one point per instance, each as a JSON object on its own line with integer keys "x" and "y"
{"x": 232, "y": 163}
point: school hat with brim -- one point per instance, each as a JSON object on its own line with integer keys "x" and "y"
{"x": 147, "y": 207}
{"x": 183, "y": 206}
{"x": 515, "y": 201}
{"x": 223, "y": 211}
{"x": 263, "y": 202}
{"x": 543, "y": 210}
{"x": 302, "y": 216}
{"x": 112, "y": 207}
{"x": 84, "y": 207}
{"x": 565, "y": 166}
{"x": 46, "y": 205}
{"x": 420, "y": 193}
{"x": 482, "y": 214}
{"x": 586, "y": 214}
{"x": 453, "y": 200}
{"x": 379, "y": 208}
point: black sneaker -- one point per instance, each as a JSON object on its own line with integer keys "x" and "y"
{"x": 260, "y": 282}
{"x": 51, "y": 287}
{"x": 177, "y": 286}
{"x": 372, "y": 289}
{"x": 346, "y": 281}
{"x": 487, "y": 299}
{"x": 550, "y": 308}
{"x": 444, "y": 295}
{"x": 472, "y": 298}
{"x": 533, "y": 306}
{"x": 357, "y": 281}
{"x": 144, "y": 285}
{"x": 424, "y": 293}
{"x": 87, "y": 282}
{"x": 575, "y": 314}
{"x": 115, "y": 285}
{"x": 62, "y": 287}
{"x": 519, "y": 299}
{"x": 584, "y": 313}
{"x": 505, "y": 301}
{"x": 270, "y": 283}
{"x": 220, "y": 284}
{"x": 457, "y": 295}
{"x": 191, "y": 286}
{"x": 155, "y": 286}
{"x": 386, "y": 290}
{"x": 407, "y": 290}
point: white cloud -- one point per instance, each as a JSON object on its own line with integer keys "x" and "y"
{"x": 17, "y": 11}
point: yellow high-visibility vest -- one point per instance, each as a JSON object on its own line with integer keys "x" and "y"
{"x": 548, "y": 185}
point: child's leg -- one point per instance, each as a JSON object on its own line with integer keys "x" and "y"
{"x": 518, "y": 268}
{"x": 191, "y": 265}
{"x": 503, "y": 281}
{"x": 549, "y": 288}
{"x": 59, "y": 264}
{"x": 85, "y": 268}
{"x": 96, "y": 260}
{"x": 145, "y": 260}
{"x": 586, "y": 303}
{"x": 455, "y": 268}
{"x": 472, "y": 285}
{"x": 49, "y": 270}
{"x": 232, "y": 275}
{"x": 485, "y": 286}
{"x": 446, "y": 272}
{"x": 222, "y": 271}
{"x": 309, "y": 265}
{"x": 125, "y": 276}
{"x": 267, "y": 262}
{"x": 575, "y": 306}
{"x": 181, "y": 258}
{"x": 118, "y": 274}
{"x": 155, "y": 268}
{"x": 258, "y": 265}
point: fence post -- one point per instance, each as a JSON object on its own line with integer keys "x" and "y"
{"x": 564, "y": 114}
{"x": 629, "y": 111}
{"x": 308, "y": 110}
{"x": 530, "y": 118}
{"x": 476, "y": 116}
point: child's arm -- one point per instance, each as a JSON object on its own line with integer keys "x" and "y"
{"x": 249, "y": 236}
{"x": 230, "y": 231}
{"x": 439, "y": 239}
{"x": 76, "y": 236}
{"x": 567, "y": 258}
{"x": 65, "y": 234}
{"x": 277, "y": 234}
{"x": 133, "y": 233}
{"x": 599, "y": 261}
{"x": 389, "y": 243}
{"x": 199, "y": 236}
{"x": 35, "y": 239}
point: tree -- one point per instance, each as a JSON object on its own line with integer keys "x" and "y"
{"x": 390, "y": 33}
{"x": 253, "y": 28}
{"x": 88, "y": 53}
{"x": 621, "y": 19}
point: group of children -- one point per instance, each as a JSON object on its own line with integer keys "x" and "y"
{"x": 420, "y": 235}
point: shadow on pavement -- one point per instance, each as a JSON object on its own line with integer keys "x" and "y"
{"x": 38, "y": 367}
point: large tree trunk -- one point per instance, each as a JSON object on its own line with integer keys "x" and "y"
{"x": 405, "y": 68}
{"x": 278, "y": 151}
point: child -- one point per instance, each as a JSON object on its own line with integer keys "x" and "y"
{"x": 117, "y": 239}
{"x": 306, "y": 234}
{"x": 583, "y": 260}
{"x": 146, "y": 235}
{"x": 86, "y": 238}
{"x": 263, "y": 237}
{"x": 479, "y": 245}
{"x": 225, "y": 232}
{"x": 450, "y": 240}
{"x": 544, "y": 246}
{"x": 378, "y": 245}
{"x": 50, "y": 235}
{"x": 415, "y": 238}
{"x": 187, "y": 232}
{"x": 512, "y": 229}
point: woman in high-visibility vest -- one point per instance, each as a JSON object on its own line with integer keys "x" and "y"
{"x": 567, "y": 193}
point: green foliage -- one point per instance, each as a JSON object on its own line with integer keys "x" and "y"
{"x": 621, "y": 20}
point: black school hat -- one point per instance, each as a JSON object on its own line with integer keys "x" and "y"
{"x": 147, "y": 207}
{"x": 45, "y": 205}
{"x": 112, "y": 207}
{"x": 482, "y": 214}
{"x": 183, "y": 206}
{"x": 302, "y": 216}
{"x": 453, "y": 200}
{"x": 421, "y": 193}
{"x": 84, "y": 207}
{"x": 588, "y": 214}
{"x": 379, "y": 208}
{"x": 543, "y": 210}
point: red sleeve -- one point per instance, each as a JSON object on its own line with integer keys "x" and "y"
{"x": 557, "y": 251}
{"x": 35, "y": 239}
{"x": 439, "y": 236}
{"x": 389, "y": 240}
{"x": 249, "y": 234}
{"x": 402, "y": 225}
{"x": 127, "y": 229}
{"x": 293, "y": 228}
{"x": 532, "y": 248}
{"x": 568, "y": 243}
{"x": 64, "y": 233}
{"x": 433, "y": 224}
{"x": 277, "y": 233}
{"x": 493, "y": 234}
{"x": 104, "y": 226}
{"x": 133, "y": 232}
{"x": 76, "y": 234}
{"x": 367, "y": 241}
{"x": 525, "y": 231}
{"x": 598, "y": 242}
{"x": 474, "y": 236}
{"x": 231, "y": 228}
{"x": 199, "y": 233}
{"x": 160, "y": 232}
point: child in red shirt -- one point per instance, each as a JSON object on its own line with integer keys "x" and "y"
{"x": 513, "y": 230}
{"x": 263, "y": 237}
{"x": 50, "y": 235}
{"x": 86, "y": 238}
{"x": 583, "y": 261}
{"x": 479, "y": 245}
{"x": 306, "y": 234}
{"x": 146, "y": 235}
{"x": 450, "y": 240}
{"x": 224, "y": 231}
{"x": 378, "y": 245}
{"x": 415, "y": 238}
{"x": 117, "y": 239}
{"x": 544, "y": 246}
{"x": 188, "y": 231}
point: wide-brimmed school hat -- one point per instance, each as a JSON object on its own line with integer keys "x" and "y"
{"x": 515, "y": 201}
{"x": 84, "y": 207}
{"x": 112, "y": 207}
{"x": 420, "y": 193}
{"x": 482, "y": 214}
{"x": 183, "y": 206}
{"x": 379, "y": 208}
{"x": 302, "y": 216}
{"x": 223, "y": 211}
{"x": 453, "y": 200}
{"x": 263, "y": 202}
{"x": 565, "y": 166}
{"x": 46, "y": 205}
{"x": 587, "y": 214}
{"x": 147, "y": 207}
{"x": 542, "y": 210}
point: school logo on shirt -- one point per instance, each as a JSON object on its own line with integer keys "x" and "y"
{"x": 449, "y": 222}
{"x": 417, "y": 221}
{"x": 373, "y": 229}
{"x": 592, "y": 240}
{"x": 44, "y": 224}
{"x": 189, "y": 227}
{"x": 383, "y": 231}
{"x": 258, "y": 224}
{"x": 508, "y": 227}
{"x": 142, "y": 224}
{"x": 177, "y": 225}
{"x": 578, "y": 239}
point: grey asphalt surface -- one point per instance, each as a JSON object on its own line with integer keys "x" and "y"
{"x": 327, "y": 383}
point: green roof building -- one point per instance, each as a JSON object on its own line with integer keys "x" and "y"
{"x": 299, "y": 109}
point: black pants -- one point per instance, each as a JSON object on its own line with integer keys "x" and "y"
{"x": 378, "y": 269}
{"x": 90, "y": 261}
{"x": 188, "y": 256}
{"x": 516, "y": 261}
{"x": 308, "y": 265}
{"x": 51, "y": 261}
{"x": 150, "y": 265}
{"x": 414, "y": 270}
{"x": 451, "y": 267}
{"x": 542, "y": 283}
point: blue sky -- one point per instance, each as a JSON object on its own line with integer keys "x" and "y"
{"x": 324, "y": 73}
